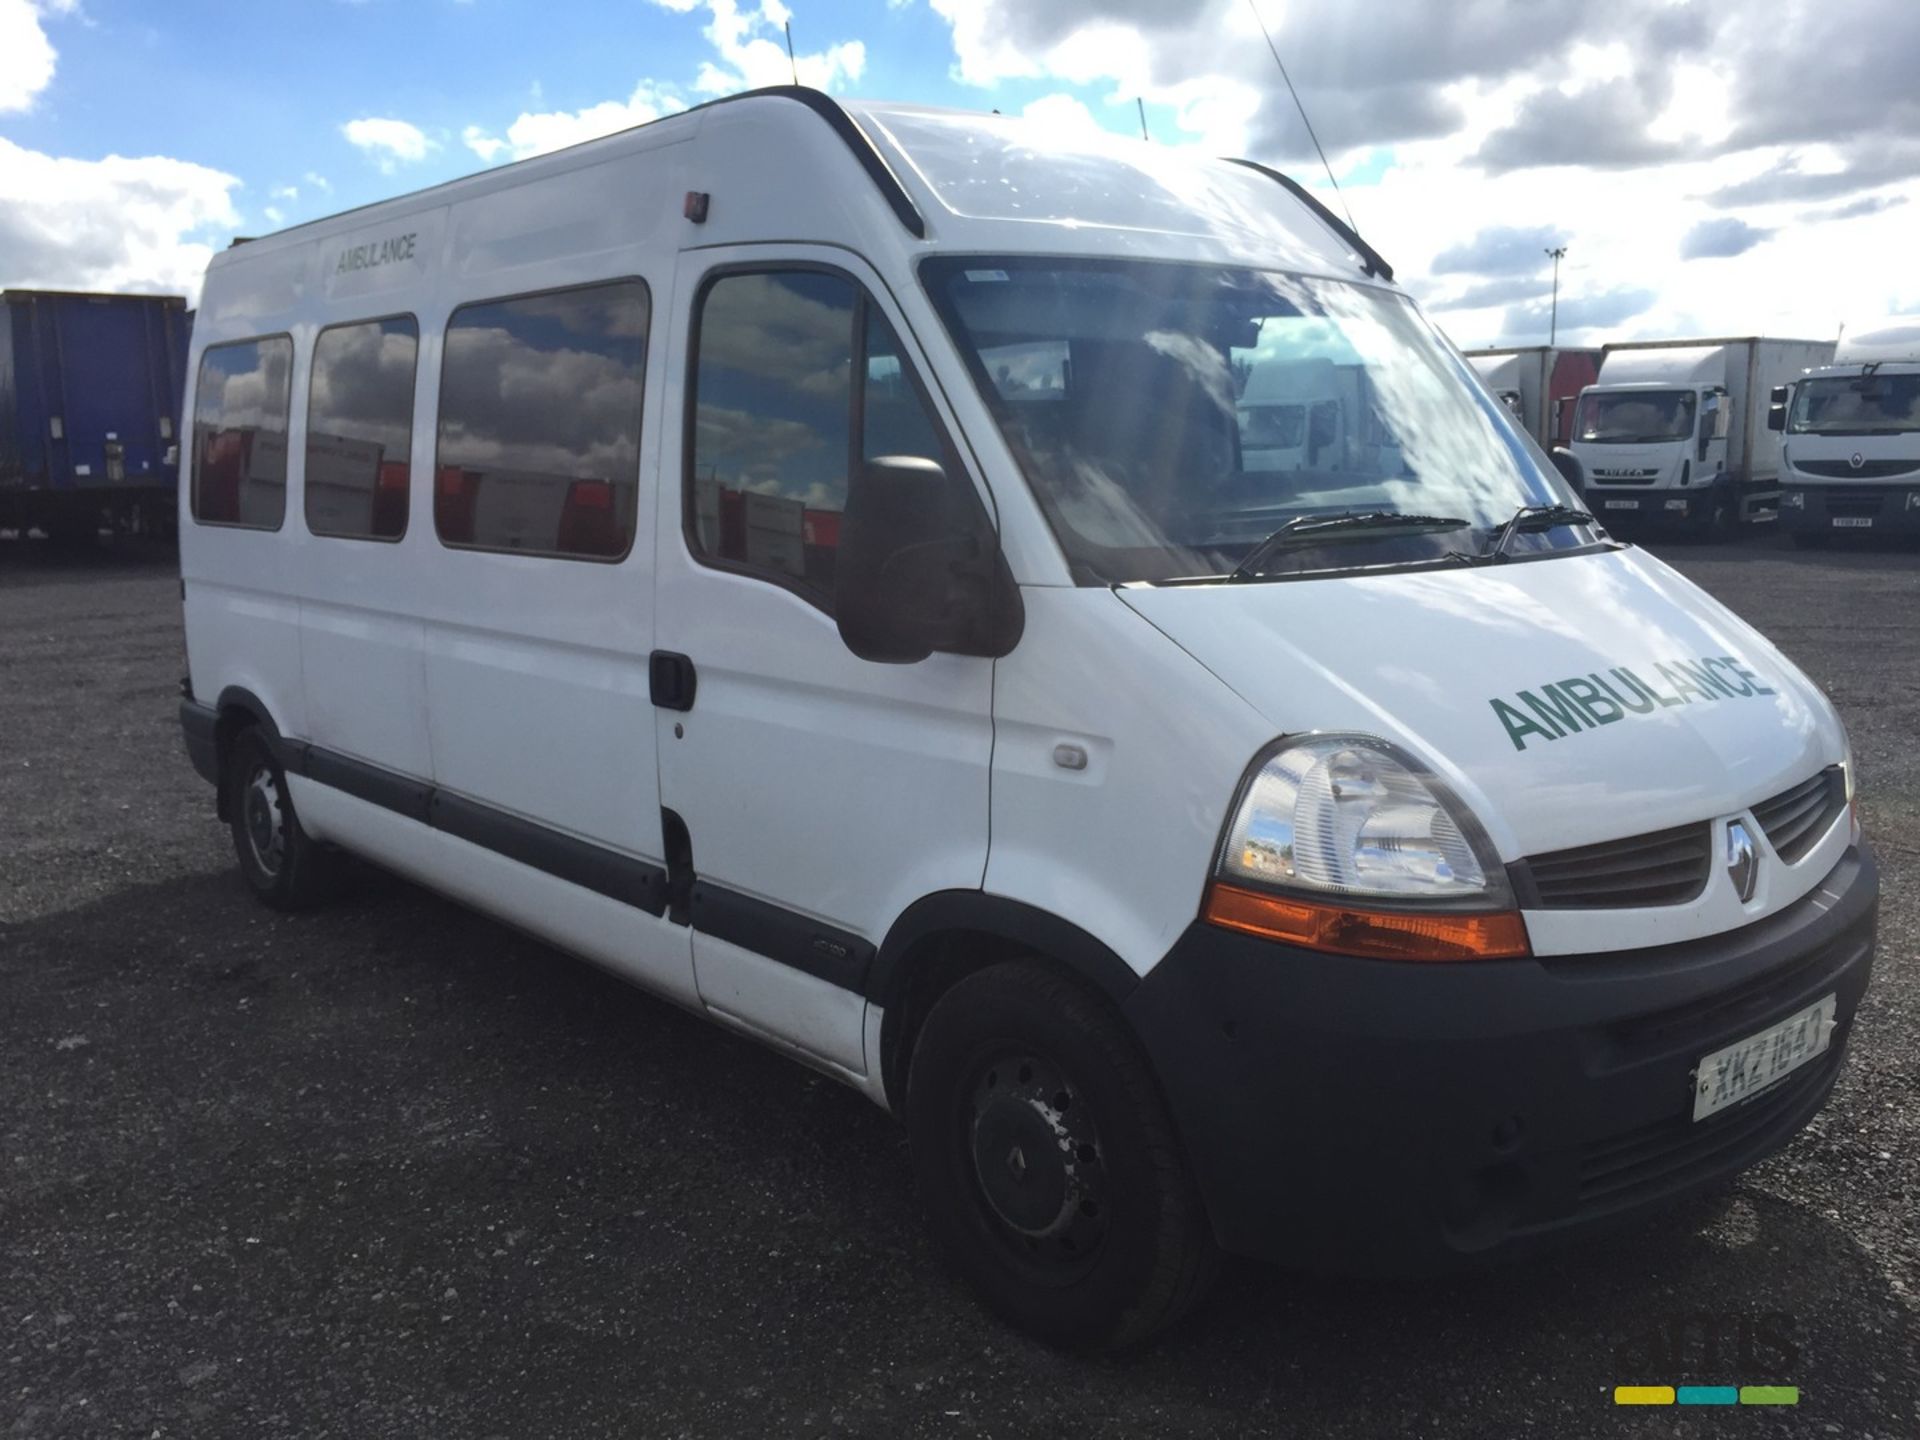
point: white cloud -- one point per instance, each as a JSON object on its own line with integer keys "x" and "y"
{"x": 115, "y": 224}
{"x": 1638, "y": 132}
{"x": 318, "y": 182}
{"x": 1063, "y": 115}
{"x": 537, "y": 133}
{"x": 751, "y": 44}
{"x": 27, "y": 56}
{"x": 286, "y": 192}
{"x": 390, "y": 142}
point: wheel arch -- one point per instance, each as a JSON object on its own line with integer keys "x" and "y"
{"x": 237, "y": 709}
{"x": 944, "y": 937}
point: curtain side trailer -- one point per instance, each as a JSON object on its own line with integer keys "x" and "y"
{"x": 90, "y": 389}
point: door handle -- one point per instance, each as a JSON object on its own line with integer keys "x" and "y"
{"x": 670, "y": 680}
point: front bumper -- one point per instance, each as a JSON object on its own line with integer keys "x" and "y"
{"x": 1364, "y": 1115}
{"x": 1869, "y": 508}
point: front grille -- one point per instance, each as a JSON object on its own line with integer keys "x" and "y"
{"x": 1854, "y": 503}
{"x": 1846, "y": 470}
{"x": 1795, "y": 819}
{"x": 1669, "y": 1153}
{"x": 1668, "y": 867}
{"x": 1602, "y": 479}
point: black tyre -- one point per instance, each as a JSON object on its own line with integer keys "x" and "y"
{"x": 282, "y": 864}
{"x": 1048, "y": 1163}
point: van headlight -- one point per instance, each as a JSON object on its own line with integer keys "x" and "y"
{"x": 1344, "y": 842}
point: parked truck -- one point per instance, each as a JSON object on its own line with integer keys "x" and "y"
{"x": 1674, "y": 432}
{"x": 1539, "y": 384}
{"x": 90, "y": 391}
{"x": 1850, "y": 457}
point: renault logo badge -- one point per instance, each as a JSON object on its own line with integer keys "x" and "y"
{"x": 1743, "y": 860}
{"x": 1857, "y": 461}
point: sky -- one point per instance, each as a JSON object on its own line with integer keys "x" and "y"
{"x": 1710, "y": 169}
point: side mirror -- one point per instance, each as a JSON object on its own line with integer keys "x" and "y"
{"x": 916, "y": 570}
{"x": 1776, "y": 417}
{"x": 1570, "y": 468}
{"x": 1778, "y": 395}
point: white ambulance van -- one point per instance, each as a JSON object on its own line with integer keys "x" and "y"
{"x": 805, "y": 558}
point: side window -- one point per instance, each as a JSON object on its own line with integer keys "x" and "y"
{"x": 240, "y": 433}
{"x": 360, "y": 429}
{"x": 774, "y": 420}
{"x": 538, "y": 448}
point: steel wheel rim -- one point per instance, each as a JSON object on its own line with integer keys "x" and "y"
{"x": 1036, "y": 1163}
{"x": 264, "y": 819}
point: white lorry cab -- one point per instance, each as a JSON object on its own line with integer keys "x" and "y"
{"x": 1674, "y": 433}
{"x": 813, "y": 560}
{"x": 1850, "y": 458}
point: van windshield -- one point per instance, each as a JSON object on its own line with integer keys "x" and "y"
{"x": 1170, "y": 417}
{"x": 1856, "y": 405}
{"x": 1634, "y": 417}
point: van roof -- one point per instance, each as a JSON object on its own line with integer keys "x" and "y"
{"x": 986, "y": 181}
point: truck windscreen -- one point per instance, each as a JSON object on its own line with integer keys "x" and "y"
{"x": 1170, "y": 417}
{"x": 1856, "y": 405}
{"x": 1634, "y": 417}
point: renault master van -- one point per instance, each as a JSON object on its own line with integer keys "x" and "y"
{"x": 818, "y": 562}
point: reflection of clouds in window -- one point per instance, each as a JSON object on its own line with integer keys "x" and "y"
{"x": 791, "y": 329}
{"x": 544, "y": 386}
{"x": 244, "y": 387}
{"x": 240, "y": 433}
{"x": 538, "y": 442}
{"x": 773, "y": 385}
{"x": 362, "y": 385}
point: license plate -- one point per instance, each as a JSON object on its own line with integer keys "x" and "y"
{"x": 1853, "y": 522}
{"x": 1742, "y": 1070}
{"x": 1623, "y": 504}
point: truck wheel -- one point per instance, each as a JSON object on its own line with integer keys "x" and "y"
{"x": 1719, "y": 524}
{"x": 1048, "y": 1163}
{"x": 282, "y": 864}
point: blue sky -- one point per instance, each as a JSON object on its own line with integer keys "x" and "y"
{"x": 1700, "y": 183}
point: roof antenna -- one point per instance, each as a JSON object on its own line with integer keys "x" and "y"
{"x": 792, "y": 64}
{"x": 1143, "y": 118}
{"x": 1274, "y": 50}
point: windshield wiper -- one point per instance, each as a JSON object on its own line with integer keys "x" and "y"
{"x": 1304, "y": 528}
{"x": 1532, "y": 519}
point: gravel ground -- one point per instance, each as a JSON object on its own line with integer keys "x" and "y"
{"x": 393, "y": 1170}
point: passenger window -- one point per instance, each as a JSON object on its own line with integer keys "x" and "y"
{"x": 240, "y": 433}
{"x": 773, "y": 431}
{"x": 538, "y": 448}
{"x": 360, "y": 429}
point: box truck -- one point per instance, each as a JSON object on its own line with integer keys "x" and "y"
{"x": 1674, "y": 432}
{"x": 1539, "y": 384}
{"x": 1193, "y": 855}
{"x": 90, "y": 410}
{"x": 1850, "y": 458}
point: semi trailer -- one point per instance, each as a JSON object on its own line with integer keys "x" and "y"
{"x": 90, "y": 410}
{"x": 1850, "y": 431}
{"x": 1674, "y": 433}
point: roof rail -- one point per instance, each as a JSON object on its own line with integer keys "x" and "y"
{"x": 856, "y": 140}
{"x": 1370, "y": 261}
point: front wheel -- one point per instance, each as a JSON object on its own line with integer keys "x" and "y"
{"x": 1048, "y": 1162}
{"x": 282, "y": 864}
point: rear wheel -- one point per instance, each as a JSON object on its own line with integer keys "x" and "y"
{"x": 282, "y": 864}
{"x": 1048, "y": 1162}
